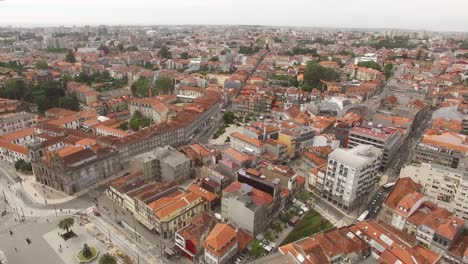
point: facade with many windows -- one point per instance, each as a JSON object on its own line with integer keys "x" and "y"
{"x": 351, "y": 175}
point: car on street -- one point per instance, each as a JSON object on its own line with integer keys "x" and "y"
{"x": 376, "y": 209}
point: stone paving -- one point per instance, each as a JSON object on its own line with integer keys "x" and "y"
{"x": 67, "y": 250}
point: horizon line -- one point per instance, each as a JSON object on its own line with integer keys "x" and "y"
{"x": 30, "y": 25}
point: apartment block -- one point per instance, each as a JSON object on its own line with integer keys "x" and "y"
{"x": 448, "y": 188}
{"x": 382, "y": 137}
{"x": 351, "y": 175}
{"x": 446, "y": 149}
{"x": 164, "y": 164}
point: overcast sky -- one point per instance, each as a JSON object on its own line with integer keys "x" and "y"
{"x": 409, "y": 14}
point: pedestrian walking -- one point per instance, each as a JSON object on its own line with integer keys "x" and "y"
{"x": 16, "y": 250}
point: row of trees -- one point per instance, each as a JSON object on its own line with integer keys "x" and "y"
{"x": 162, "y": 85}
{"x": 46, "y": 94}
{"x": 249, "y": 49}
{"x": 370, "y": 64}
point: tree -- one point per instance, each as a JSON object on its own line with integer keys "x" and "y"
{"x": 388, "y": 70}
{"x": 184, "y": 55}
{"x": 345, "y": 53}
{"x": 41, "y": 65}
{"x": 300, "y": 50}
{"x": 131, "y": 48}
{"x": 87, "y": 253}
{"x": 256, "y": 249}
{"x": 69, "y": 102}
{"x": 104, "y": 48}
{"x": 164, "y": 53}
{"x": 229, "y": 117}
{"x": 338, "y": 61}
{"x": 134, "y": 124}
{"x": 314, "y": 74}
{"x": 107, "y": 259}
{"x": 164, "y": 85}
{"x": 15, "y": 88}
{"x": 370, "y": 64}
{"x": 123, "y": 126}
{"x": 304, "y": 196}
{"x": 214, "y": 58}
{"x": 464, "y": 45}
{"x": 22, "y": 165}
{"x": 268, "y": 235}
{"x": 141, "y": 87}
{"x": 138, "y": 121}
{"x": 70, "y": 57}
{"x": 66, "y": 224}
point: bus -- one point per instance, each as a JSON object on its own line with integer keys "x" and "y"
{"x": 363, "y": 216}
{"x": 388, "y": 186}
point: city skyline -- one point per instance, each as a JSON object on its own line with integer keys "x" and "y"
{"x": 333, "y": 14}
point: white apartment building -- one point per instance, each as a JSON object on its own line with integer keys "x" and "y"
{"x": 351, "y": 175}
{"x": 448, "y": 188}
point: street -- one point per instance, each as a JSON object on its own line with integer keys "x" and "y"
{"x": 19, "y": 206}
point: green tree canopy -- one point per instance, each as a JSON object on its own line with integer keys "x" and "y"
{"x": 314, "y": 74}
{"x": 184, "y": 55}
{"x": 256, "y": 249}
{"x": 164, "y": 53}
{"x": 15, "y": 88}
{"x": 138, "y": 121}
{"x": 70, "y": 57}
{"x": 370, "y": 64}
{"x": 338, "y": 61}
{"x": 345, "y": 53}
{"x": 22, "y": 165}
{"x": 388, "y": 70}
{"x": 229, "y": 117}
{"x": 69, "y": 102}
{"x": 41, "y": 65}
{"x": 464, "y": 45}
{"x": 302, "y": 51}
{"x": 66, "y": 223}
{"x": 164, "y": 85}
{"x": 104, "y": 48}
{"x": 107, "y": 259}
{"x": 123, "y": 126}
{"x": 249, "y": 49}
{"x": 141, "y": 87}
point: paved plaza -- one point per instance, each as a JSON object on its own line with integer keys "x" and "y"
{"x": 17, "y": 250}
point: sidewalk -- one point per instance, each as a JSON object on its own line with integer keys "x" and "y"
{"x": 42, "y": 194}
